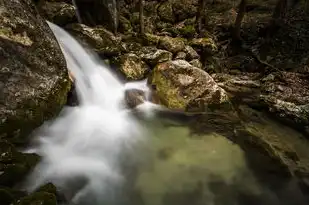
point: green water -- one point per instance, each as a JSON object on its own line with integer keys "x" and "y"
{"x": 182, "y": 168}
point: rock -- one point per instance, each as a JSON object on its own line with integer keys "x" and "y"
{"x": 284, "y": 94}
{"x": 184, "y": 9}
{"x": 191, "y": 53}
{"x": 207, "y": 45}
{"x": 134, "y": 97}
{"x": 151, "y": 39}
{"x": 179, "y": 85}
{"x": 153, "y": 56}
{"x": 165, "y": 12}
{"x": 196, "y": 63}
{"x": 103, "y": 41}
{"x": 133, "y": 67}
{"x": 42, "y": 198}
{"x": 149, "y": 22}
{"x": 287, "y": 151}
{"x": 173, "y": 45}
{"x": 6, "y": 197}
{"x": 60, "y": 13}
{"x": 29, "y": 53}
{"x": 181, "y": 56}
{"x": 124, "y": 25}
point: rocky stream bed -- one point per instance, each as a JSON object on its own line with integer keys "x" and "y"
{"x": 266, "y": 117}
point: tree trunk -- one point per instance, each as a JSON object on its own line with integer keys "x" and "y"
{"x": 239, "y": 18}
{"x": 141, "y": 17}
{"x": 200, "y": 15}
{"x": 280, "y": 9}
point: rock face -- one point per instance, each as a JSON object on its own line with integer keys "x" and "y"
{"x": 285, "y": 94}
{"x": 179, "y": 85}
{"x": 34, "y": 78}
{"x": 102, "y": 40}
{"x": 133, "y": 67}
{"x": 60, "y": 13}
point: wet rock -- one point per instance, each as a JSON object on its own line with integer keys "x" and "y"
{"x": 165, "y": 12}
{"x": 173, "y": 45}
{"x": 103, "y": 41}
{"x": 133, "y": 67}
{"x": 34, "y": 77}
{"x": 42, "y": 198}
{"x": 180, "y": 85}
{"x": 153, "y": 56}
{"x": 196, "y": 63}
{"x": 134, "y": 97}
{"x": 191, "y": 53}
{"x": 60, "y": 13}
{"x": 206, "y": 45}
{"x": 181, "y": 56}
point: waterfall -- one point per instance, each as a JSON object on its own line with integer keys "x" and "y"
{"x": 82, "y": 148}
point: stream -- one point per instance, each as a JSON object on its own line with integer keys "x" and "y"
{"x": 101, "y": 153}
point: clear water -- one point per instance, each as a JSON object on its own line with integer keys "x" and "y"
{"x": 100, "y": 153}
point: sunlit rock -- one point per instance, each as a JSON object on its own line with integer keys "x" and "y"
{"x": 133, "y": 67}
{"x": 173, "y": 45}
{"x": 153, "y": 56}
{"x": 182, "y": 86}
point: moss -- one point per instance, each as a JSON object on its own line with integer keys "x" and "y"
{"x": 166, "y": 91}
{"x": 42, "y": 198}
{"x": 49, "y": 188}
{"x": 188, "y": 31}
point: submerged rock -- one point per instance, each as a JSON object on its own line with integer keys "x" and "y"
{"x": 34, "y": 78}
{"x": 133, "y": 67}
{"x": 180, "y": 85}
{"x": 103, "y": 41}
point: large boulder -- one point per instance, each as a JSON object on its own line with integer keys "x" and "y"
{"x": 173, "y": 45}
{"x": 180, "y": 85}
{"x": 34, "y": 78}
{"x": 103, "y": 41}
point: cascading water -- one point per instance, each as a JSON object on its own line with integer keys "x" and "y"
{"x": 81, "y": 148}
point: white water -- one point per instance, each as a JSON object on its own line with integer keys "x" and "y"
{"x": 81, "y": 149}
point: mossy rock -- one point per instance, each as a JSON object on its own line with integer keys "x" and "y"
{"x": 165, "y": 12}
{"x": 103, "y": 41}
{"x": 173, "y": 45}
{"x": 153, "y": 56}
{"x": 207, "y": 45}
{"x": 42, "y": 198}
{"x": 181, "y": 86}
{"x": 124, "y": 25}
{"x": 34, "y": 78}
{"x": 133, "y": 67}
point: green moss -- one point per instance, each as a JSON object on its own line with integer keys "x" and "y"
{"x": 168, "y": 94}
{"x": 188, "y": 31}
{"x": 49, "y": 188}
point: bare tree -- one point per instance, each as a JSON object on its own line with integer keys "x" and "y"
{"x": 141, "y": 17}
{"x": 200, "y": 15}
{"x": 239, "y": 19}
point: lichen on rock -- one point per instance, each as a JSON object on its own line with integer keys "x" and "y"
{"x": 179, "y": 85}
{"x": 133, "y": 67}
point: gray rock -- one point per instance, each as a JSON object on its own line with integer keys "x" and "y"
{"x": 196, "y": 63}
{"x": 33, "y": 72}
{"x": 153, "y": 56}
{"x": 133, "y": 67}
{"x": 191, "y": 53}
